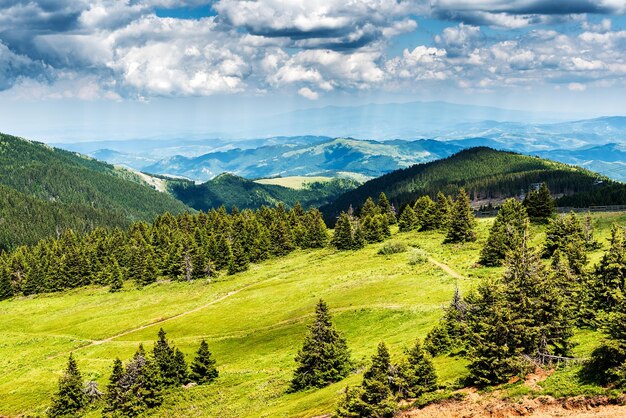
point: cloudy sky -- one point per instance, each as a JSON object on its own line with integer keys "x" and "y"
{"x": 81, "y": 69}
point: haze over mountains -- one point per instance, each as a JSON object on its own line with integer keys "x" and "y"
{"x": 318, "y": 142}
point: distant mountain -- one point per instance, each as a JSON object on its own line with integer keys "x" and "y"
{"x": 44, "y": 190}
{"x": 369, "y": 158}
{"x": 485, "y": 173}
{"x": 229, "y": 190}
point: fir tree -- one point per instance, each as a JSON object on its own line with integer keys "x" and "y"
{"x": 347, "y": 236}
{"x": 443, "y": 208}
{"x": 368, "y": 209}
{"x": 505, "y": 233}
{"x": 416, "y": 374}
{"x": 70, "y": 398}
{"x": 180, "y": 366}
{"x": 113, "y": 396}
{"x": 408, "y": 219}
{"x": 92, "y": 392}
{"x": 316, "y": 235}
{"x": 610, "y": 273}
{"x": 203, "y": 366}
{"x": 426, "y": 212}
{"x": 374, "y": 398}
{"x": 451, "y": 333}
{"x": 115, "y": 276}
{"x": 324, "y": 357}
{"x": 539, "y": 204}
{"x": 164, "y": 357}
{"x": 386, "y": 209}
{"x": 239, "y": 260}
{"x": 462, "y": 221}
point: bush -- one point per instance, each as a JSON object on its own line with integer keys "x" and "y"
{"x": 418, "y": 256}
{"x": 392, "y": 248}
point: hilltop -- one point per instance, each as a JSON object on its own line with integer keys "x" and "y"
{"x": 44, "y": 190}
{"x": 230, "y": 190}
{"x": 485, "y": 173}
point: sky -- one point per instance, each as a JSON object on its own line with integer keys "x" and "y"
{"x": 75, "y": 70}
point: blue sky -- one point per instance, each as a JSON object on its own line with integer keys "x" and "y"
{"x": 79, "y": 69}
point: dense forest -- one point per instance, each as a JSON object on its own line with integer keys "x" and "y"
{"x": 230, "y": 190}
{"x": 483, "y": 172}
{"x": 46, "y": 190}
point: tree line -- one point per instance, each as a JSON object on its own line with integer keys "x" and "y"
{"x": 183, "y": 247}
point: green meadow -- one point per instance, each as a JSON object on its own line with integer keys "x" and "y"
{"x": 254, "y": 323}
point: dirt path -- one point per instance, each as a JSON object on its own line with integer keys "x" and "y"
{"x": 447, "y": 269}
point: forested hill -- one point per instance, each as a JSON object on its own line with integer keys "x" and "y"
{"x": 44, "y": 190}
{"x": 229, "y": 190}
{"x": 484, "y": 172}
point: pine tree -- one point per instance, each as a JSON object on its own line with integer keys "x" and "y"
{"x": 164, "y": 357}
{"x": 408, "y": 219}
{"x": 374, "y": 398}
{"x": 505, "y": 234}
{"x": 386, "y": 209}
{"x": 451, "y": 332}
{"x": 342, "y": 237}
{"x": 203, "y": 367}
{"x": 113, "y": 396}
{"x": 443, "y": 208}
{"x": 462, "y": 221}
{"x": 426, "y": 212}
{"x": 539, "y": 204}
{"x": 222, "y": 253}
{"x": 239, "y": 260}
{"x": 324, "y": 357}
{"x": 609, "y": 285}
{"x": 316, "y": 235}
{"x": 180, "y": 366}
{"x": 70, "y": 398}
{"x": 115, "y": 275}
{"x": 416, "y": 374}
{"x": 368, "y": 209}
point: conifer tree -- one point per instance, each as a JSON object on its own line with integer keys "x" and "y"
{"x": 239, "y": 260}
{"x": 443, "y": 208}
{"x": 375, "y": 397}
{"x": 281, "y": 237}
{"x": 416, "y": 374}
{"x": 539, "y": 204}
{"x": 180, "y": 366}
{"x": 368, "y": 209}
{"x": 164, "y": 357}
{"x": 426, "y": 212}
{"x": 462, "y": 221}
{"x": 505, "y": 234}
{"x": 408, "y": 219}
{"x": 609, "y": 284}
{"x": 386, "y": 209}
{"x": 113, "y": 396}
{"x": 451, "y": 332}
{"x": 342, "y": 237}
{"x": 203, "y": 368}
{"x": 70, "y": 398}
{"x": 324, "y": 357}
{"x": 316, "y": 235}
{"x": 115, "y": 276}
{"x": 222, "y": 253}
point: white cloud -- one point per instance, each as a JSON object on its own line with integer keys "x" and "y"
{"x": 308, "y": 93}
{"x": 576, "y": 87}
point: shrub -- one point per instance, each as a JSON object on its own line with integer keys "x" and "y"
{"x": 417, "y": 256}
{"x": 392, "y": 248}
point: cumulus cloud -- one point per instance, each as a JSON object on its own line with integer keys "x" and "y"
{"x": 308, "y": 93}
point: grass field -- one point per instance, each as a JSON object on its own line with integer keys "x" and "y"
{"x": 254, "y": 323}
{"x": 294, "y": 182}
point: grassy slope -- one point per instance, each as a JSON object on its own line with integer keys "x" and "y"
{"x": 293, "y": 182}
{"x": 254, "y": 333}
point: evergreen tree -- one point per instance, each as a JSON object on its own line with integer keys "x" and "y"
{"x": 239, "y": 260}
{"x": 203, "y": 367}
{"x": 386, "y": 209}
{"x": 426, "y": 212}
{"x": 368, "y": 209}
{"x": 324, "y": 357}
{"x": 347, "y": 236}
{"x": 180, "y": 366}
{"x": 281, "y": 237}
{"x": 408, "y": 219}
{"x": 70, "y": 398}
{"x": 416, "y": 374}
{"x": 505, "y": 234}
{"x": 316, "y": 235}
{"x": 115, "y": 276}
{"x": 610, "y": 274}
{"x": 443, "y": 208}
{"x": 462, "y": 221}
{"x": 539, "y": 204}
{"x": 451, "y": 333}
{"x": 164, "y": 357}
{"x": 222, "y": 253}
{"x": 375, "y": 398}
{"x": 375, "y": 228}
{"x": 113, "y": 396}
